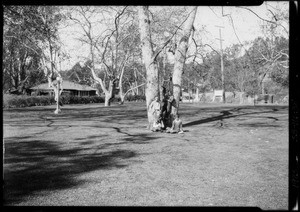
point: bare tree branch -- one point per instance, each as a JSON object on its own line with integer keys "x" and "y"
{"x": 98, "y": 79}
{"x": 173, "y": 34}
{"x": 272, "y": 22}
{"x": 134, "y": 88}
{"x": 140, "y": 73}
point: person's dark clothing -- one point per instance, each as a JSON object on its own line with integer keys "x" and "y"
{"x": 166, "y": 112}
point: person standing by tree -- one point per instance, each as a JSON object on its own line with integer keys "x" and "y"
{"x": 155, "y": 110}
{"x": 164, "y": 106}
{"x": 155, "y": 107}
{"x": 168, "y": 116}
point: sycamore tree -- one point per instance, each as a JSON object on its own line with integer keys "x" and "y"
{"x": 150, "y": 63}
{"x": 150, "y": 52}
{"x": 50, "y": 17}
{"x": 180, "y": 56}
{"x": 269, "y": 53}
{"x": 131, "y": 67}
{"x": 133, "y": 79}
{"x": 109, "y": 32}
{"x": 166, "y": 30}
{"x": 272, "y": 57}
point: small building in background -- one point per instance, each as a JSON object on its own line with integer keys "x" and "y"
{"x": 69, "y": 88}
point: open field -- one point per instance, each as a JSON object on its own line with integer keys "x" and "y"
{"x": 230, "y": 155}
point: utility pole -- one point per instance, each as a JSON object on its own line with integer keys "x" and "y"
{"x": 222, "y": 65}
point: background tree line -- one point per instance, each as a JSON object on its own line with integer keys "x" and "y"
{"x": 32, "y": 51}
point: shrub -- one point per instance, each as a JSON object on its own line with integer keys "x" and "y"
{"x": 281, "y": 98}
{"x": 8, "y": 100}
{"x": 135, "y": 98}
{"x": 230, "y": 99}
{"x": 14, "y": 101}
{"x": 31, "y": 101}
{"x": 206, "y": 97}
{"x": 115, "y": 99}
{"x": 98, "y": 99}
{"x": 65, "y": 99}
{"x": 44, "y": 100}
{"x": 129, "y": 98}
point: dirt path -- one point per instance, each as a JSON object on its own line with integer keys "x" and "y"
{"x": 92, "y": 155}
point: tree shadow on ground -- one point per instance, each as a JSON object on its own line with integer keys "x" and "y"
{"x": 94, "y": 116}
{"x": 42, "y": 165}
{"x": 127, "y": 138}
{"x": 33, "y": 165}
{"x": 236, "y": 112}
{"x": 259, "y": 125}
{"x": 83, "y": 112}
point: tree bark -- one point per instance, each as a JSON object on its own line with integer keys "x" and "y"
{"x": 152, "y": 88}
{"x": 121, "y": 93}
{"x": 107, "y": 101}
{"x": 136, "y": 83}
{"x": 57, "y": 86}
{"x": 180, "y": 56}
{"x": 109, "y": 93}
{"x": 197, "y": 94}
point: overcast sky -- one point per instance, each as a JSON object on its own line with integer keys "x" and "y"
{"x": 247, "y": 27}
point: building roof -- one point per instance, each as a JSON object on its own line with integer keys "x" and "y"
{"x": 67, "y": 85}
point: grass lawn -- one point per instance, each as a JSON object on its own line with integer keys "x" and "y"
{"x": 90, "y": 155}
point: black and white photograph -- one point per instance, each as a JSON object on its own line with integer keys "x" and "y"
{"x": 116, "y": 105}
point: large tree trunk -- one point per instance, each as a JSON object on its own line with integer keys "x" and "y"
{"x": 136, "y": 82}
{"x": 197, "y": 94}
{"x": 56, "y": 85}
{"x": 109, "y": 93}
{"x": 121, "y": 93}
{"x": 107, "y": 101}
{"x": 241, "y": 98}
{"x": 162, "y": 76}
{"x": 122, "y": 97}
{"x": 180, "y": 56}
{"x": 152, "y": 89}
{"x": 262, "y": 83}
